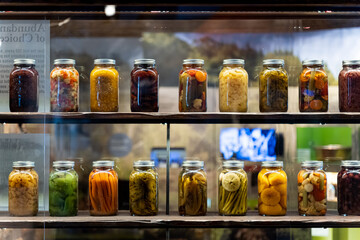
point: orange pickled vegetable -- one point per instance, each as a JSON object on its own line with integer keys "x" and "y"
{"x": 305, "y": 77}
{"x": 319, "y": 83}
{"x": 200, "y": 76}
{"x": 316, "y": 104}
{"x": 191, "y": 72}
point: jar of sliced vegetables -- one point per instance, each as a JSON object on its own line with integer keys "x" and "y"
{"x": 233, "y": 185}
{"x": 312, "y": 189}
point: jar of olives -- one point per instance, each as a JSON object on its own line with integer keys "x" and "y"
{"x": 143, "y": 189}
{"x": 233, "y": 185}
{"x": 192, "y": 189}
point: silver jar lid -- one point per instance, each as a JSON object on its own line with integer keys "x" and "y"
{"x": 193, "y": 61}
{"x": 350, "y": 62}
{"x": 145, "y": 61}
{"x": 273, "y": 62}
{"x": 24, "y": 61}
{"x": 23, "y": 164}
{"x": 350, "y": 163}
{"x": 103, "y": 163}
{"x": 144, "y": 163}
{"x": 318, "y": 164}
{"x": 313, "y": 62}
{"x": 234, "y": 61}
{"x": 64, "y": 61}
{"x": 104, "y": 61}
{"x": 233, "y": 163}
{"x": 193, "y": 163}
{"x": 65, "y": 164}
{"x": 272, "y": 164}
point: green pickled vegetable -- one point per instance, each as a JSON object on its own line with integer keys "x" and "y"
{"x": 305, "y": 199}
{"x": 322, "y": 181}
{"x": 63, "y": 193}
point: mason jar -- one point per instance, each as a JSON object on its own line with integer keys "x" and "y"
{"x": 63, "y": 189}
{"x": 64, "y": 86}
{"x": 23, "y": 189}
{"x": 273, "y": 86}
{"x": 192, "y": 189}
{"x": 233, "y": 186}
{"x": 233, "y": 86}
{"x": 192, "y": 86}
{"x": 23, "y": 86}
{"x": 103, "y": 189}
{"x": 349, "y": 86}
{"x": 143, "y": 189}
{"x": 313, "y": 87}
{"x": 272, "y": 189}
{"x": 312, "y": 189}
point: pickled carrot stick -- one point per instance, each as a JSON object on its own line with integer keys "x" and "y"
{"x": 92, "y": 194}
{"x": 103, "y": 207}
{"x": 114, "y": 191}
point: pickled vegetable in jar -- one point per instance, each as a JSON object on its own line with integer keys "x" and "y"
{"x": 313, "y": 87}
{"x": 23, "y": 86}
{"x": 272, "y": 189}
{"x": 233, "y": 86}
{"x": 233, "y": 185}
{"x": 192, "y": 86}
{"x": 312, "y": 189}
{"x": 23, "y": 189}
{"x": 104, "y": 86}
{"x": 103, "y": 189}
{"x": 273, "y": 86}
{"x": 144, "y": 93}
{"x": 64, "y": 86}
{"x": 348, "y": 183}
{"x": 349, "y": 86}
{"x": 63, "y": 189}
{"x": 143, "y": 189}
{"x": 192, "y": 189}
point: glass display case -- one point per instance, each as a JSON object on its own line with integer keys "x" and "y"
{"x": 83, "y": 154}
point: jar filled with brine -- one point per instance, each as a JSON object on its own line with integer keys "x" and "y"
{"x": 104, "y": 86}
{"x": 144, "y": 95}
{"x": 23, "y": 189}
{"x": 103, "y": 189}
{"x": 192, "y": 86}
{"x": 273, "y": 86}
{"x": 272, "y": 189}
{"x": 313, "y": 87}
{"x": 312, "y": 189}
{"x": 143, "y": 189}
{"x": 233, "y": 185}
{"x": 348, "y": 180}
{"x": 23, "y": 86}
{"x": 192, "y": 189}
{"x": 233, "y": 86}
{"x": 349, "y": 86}
{"x": 64, "y": 86}
{"x": 63, "y": 189}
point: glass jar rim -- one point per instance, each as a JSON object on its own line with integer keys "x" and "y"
{"x": 64, "y": 163}
{"x": 193, "y": 61}
{"x": 273, "y": 61}
{"x": 318, "y": 164}
{"x": 350, "y": 163}
{"x": 272, "y": 164}
{"x": 103, "y": 163}
{"x": 233, "y": 61}
{"x": 193, "y": 163}
{"x": 23, "y": 164}
{"x": 310, "y": 62}
{"x": 233, "y": 163}
{"x": 64, "y": 61}
{"x": 104, "y": 61}
{"x": 145, "y": 61}
{"x": 29, "y": 61}
{"x": 350, "y": 62}
{"x": 144, "y": 163}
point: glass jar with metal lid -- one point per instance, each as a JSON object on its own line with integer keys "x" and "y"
{"x": 313, "y": 87}
{"x": 233, "y": 185}
{"x": 348, "y": 180}
{"x": 192, "y": 86}
{"x": 233, "y": 86}
{"x": 63, "y": 189}
{"x": 103, "y": 189}
{"x": 273, "y": 86}
{"x": 104, "y": 86}
{"x": 192, "y": 189}
{"x": 143, "y": 189}
{"x": 64, "y": 86}
{"x": 23, "y": 189}
{"x": 349, "y": 86}
{"x": 23, "y": 86}
{"x": 272, "y": 189}
{"x": 144, "y": 94}
{"x": 312, "y": 189}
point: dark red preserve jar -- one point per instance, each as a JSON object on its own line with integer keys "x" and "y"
{"x": 349, "y": 86}
{"x": 144, "y": 86}
{"x": 23, "y": 86}
{"x": 348, "y": 180}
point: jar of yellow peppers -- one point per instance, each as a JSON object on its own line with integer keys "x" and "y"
{"x": 272, "y": 189}
{"x": 104, "y": 86}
